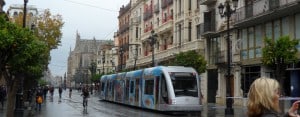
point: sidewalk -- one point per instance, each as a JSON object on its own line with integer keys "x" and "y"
{"x": 214, "y": 110}
{"x": 26, "y": 113}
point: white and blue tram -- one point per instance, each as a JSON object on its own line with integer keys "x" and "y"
{"x": 162, "y": 88}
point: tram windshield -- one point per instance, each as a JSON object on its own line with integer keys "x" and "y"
{"x": 184, "y": 84}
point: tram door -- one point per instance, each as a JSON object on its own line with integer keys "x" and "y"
{"x": 137, "y": 91}
{"x": 132, "y": 92}
{"x": 163, "y": 91}
{"x": 156, "y": 90}
{"x": 105, "y": 89}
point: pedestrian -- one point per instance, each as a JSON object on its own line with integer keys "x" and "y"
{"x": 2, "y": 95}
{"x": 70, "y": 92}
{"x": 39, "y": 99}
{"x": 45, "y": 91}
{"x": 263, "y": 100}
{"x": 60, "y": 92}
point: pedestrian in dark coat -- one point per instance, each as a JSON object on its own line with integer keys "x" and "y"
{"x": 2, "y": 95}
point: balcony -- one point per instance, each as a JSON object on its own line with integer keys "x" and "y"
{"x": 207, "y": 2}
{"x": 148, "y": 14}
{"x": 166, "y": 26}
{"x": 170, "y": 2}
{"x": 164, "y": 4}
{"x": 124, "y": 28}
{"x": 136, "y": 20}
{"x": 209, "y": 23}
{"x": 264, "y": 10}
{"x": 168, "y": 53}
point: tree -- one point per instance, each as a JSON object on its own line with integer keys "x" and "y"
{"x": 96, "y": 77}
{"x": 93, "y": 68}
{"x": 21, "y": 53}
{"x": 278, "y": 54}
{"x": 191, "y": 59}
{"x": 48, "y": 28}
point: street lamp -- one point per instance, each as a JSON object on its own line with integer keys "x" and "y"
{"x": 227, "y": 13}
{"x": 19, "y": 96}
{"x": 135, "y": 56}
{"x": 103, "y": 61}
{"x": 113, "y": 65}
{"x": 25, "y": 12}
{"x": 121, "y": 51}
{"x": 153, "y": 39}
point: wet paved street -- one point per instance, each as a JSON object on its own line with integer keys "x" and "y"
{"x": 72, "y": 107}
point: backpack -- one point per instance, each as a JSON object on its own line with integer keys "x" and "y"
{"x": 40, "y": 99}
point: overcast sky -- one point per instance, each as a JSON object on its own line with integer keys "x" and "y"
{"x": 91, "y": 18}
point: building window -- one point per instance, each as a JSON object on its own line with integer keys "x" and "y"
{"x": 15, "y": 14}
{"x": 179, "y": 34}
{"x": 249, "y": 74}
{"x": 197, "y": 4}
{"x": 214, "y": 50}
{"x": 190, "y": 31}
{"x": 179, "y": 5}
{"x": 190, "y": 5}
{"x": 244, "y": 44}
{"x": 277, "y": 29}
{"x": 258, "y": 41}
{"x": 198, "y": 33}
{"x": 269, "y": 30}
{"x": 297, "y": 29}
{"x": 285, "y": 26}
{"x": 137, "y": 32}
{"x": 251, "y": 42}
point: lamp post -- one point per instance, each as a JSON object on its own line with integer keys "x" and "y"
{"x": 135, "y": 55}
{"x": 19, "y": 96}
{"x": 103, "y": 61}
{"x": 121, "y": 51}
{"x": 112, "y": 64}
{"x": 227, "y": 13}
{"x": 153, "y": 39}
{"x": 25, "y": 12}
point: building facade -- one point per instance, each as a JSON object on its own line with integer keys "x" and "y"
{"x": 182, "y": 25}
{"x": 15, "y": 13}
{"x": 123, "y": 36}
{"x": 79, "y": 61}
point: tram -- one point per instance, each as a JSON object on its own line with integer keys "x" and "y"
{"x": 162, "y": 88}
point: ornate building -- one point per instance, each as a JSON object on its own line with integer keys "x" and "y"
{"x": 80, "y": 59}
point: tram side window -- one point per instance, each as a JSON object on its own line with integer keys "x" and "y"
{"x": 131, "y": 86}
{"x": 149, "y": 87}
{"x": 102, "y": 86}
{"x": 109, "y": 86}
